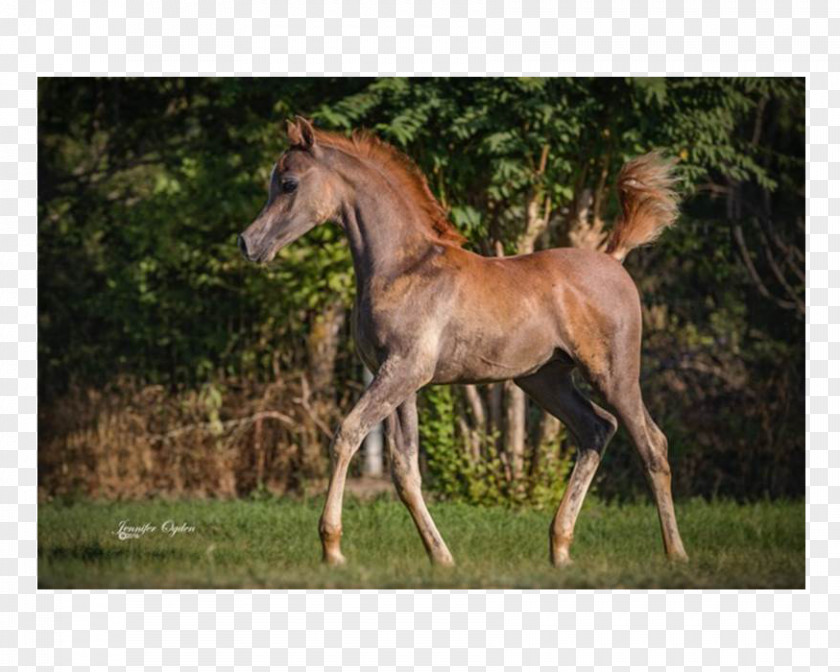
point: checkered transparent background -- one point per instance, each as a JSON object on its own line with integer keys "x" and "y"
{"x": 390, "y": 629}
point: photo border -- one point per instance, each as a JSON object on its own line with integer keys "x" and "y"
{"x": 438, "y": 629}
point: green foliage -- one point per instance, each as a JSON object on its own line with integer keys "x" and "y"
{"x": 547, "y": 482}
{"x": 445, "y": 457}
{"x": 145, "y": 186}
{"x": 456, "y": 474}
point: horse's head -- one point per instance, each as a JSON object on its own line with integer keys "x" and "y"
{"x": 302, "y": 193}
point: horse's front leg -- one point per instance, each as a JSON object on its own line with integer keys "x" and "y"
{"x": 395, "y": 381}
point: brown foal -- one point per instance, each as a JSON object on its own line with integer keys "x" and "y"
{"x": 428, "y": 311}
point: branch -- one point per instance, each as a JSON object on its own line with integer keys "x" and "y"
{"x": 598, "y": 203}
{"x": 303, "y": 401}
{"x": 777, "y": 272}
{"x": 788, "y": 250}
{"x": 535, "y": 222}
{"x": 738, "y": 234}
{"x": 229, "y": 424}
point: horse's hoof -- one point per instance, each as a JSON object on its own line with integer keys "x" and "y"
{"x": 443, "y": 561}
{"x": 335, "y": 560}
{"x": 679, "y": 557}
{"x": 561, "y": 559}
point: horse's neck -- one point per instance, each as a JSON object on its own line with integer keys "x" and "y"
{"x": 384, "y": 236}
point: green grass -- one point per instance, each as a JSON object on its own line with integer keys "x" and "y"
{"x": 274, "y": 544}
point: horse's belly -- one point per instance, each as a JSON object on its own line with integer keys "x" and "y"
{"x": 485, "y": 358}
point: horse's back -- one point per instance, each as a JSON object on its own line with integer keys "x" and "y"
{"x": 508, "y": 316}
{"x": 593, "y": 277}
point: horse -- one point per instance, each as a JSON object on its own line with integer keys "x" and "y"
{"x": 428, "y": 311}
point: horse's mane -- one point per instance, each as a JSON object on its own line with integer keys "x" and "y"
{"x": 403, "y": 171}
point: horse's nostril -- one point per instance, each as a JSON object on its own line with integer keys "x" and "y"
{"x": 243, "y": 246}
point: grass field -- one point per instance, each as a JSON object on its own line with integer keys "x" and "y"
{"x": 275, "y": 544}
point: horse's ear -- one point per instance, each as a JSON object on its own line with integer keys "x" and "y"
{"x": 293, "y": 133}
{"x": 307, "y": 132}
{"x": 301, "y": 133}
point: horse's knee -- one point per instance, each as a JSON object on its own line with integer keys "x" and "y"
{"x": 658, "y": 466}
{"x": 406, "y": 478}
{"x": 656, "y": 461}
{"x": 344, "y": 444}
{"x": 660, "y": 441}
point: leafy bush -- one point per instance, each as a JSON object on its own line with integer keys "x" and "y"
{"x": 454, "y": 472}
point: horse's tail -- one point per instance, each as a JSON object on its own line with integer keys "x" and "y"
{"x": 649, "y": 204}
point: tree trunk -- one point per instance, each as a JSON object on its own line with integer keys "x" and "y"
{"x": 317, "y": 389}
{"x": 584, "y": 228}
{"x": 494, "y": 394}
{"x": 475, "y": 435}
{"x": 373, "y": 443}
{"x": 515, "y": 408}
{"x": 547, "y": 433}
{"x": 322, "y": 346}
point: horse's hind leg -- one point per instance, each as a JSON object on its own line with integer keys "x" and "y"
{"x": 625, "y": 396}
{"x": 592, "y": 428}
{"x": 403, "y": 439}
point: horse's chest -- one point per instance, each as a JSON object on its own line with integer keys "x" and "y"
{"x": 379, "y": 330}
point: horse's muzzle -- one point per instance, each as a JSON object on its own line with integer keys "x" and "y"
{"x": 242, "y": 244}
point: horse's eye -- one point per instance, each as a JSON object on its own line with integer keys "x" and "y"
{"x": 288, "y": 186}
